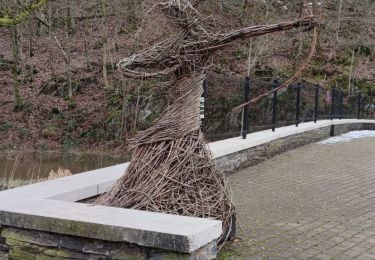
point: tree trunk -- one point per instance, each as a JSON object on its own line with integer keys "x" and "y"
{"x": 104, "y": 33}
{"x": 30, "y": 38}
{"x": 123, "y": 126}
{"x": 15, "y": 69}
{"x": 86, "y": 53}
{"x": 338, "y": 21}
{"x": 351, "y": 73}
{"x": 69, "y": 33}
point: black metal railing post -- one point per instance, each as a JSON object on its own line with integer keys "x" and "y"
{"x": 340, "y": 104}
{"x": 298, "y": 102}
{"x": 359, "y": 105}
{"x": 274, "y": 105}
{"x": 205, "y": 86}
{"x": 333, "y": 102}
{"x": 316, "y": 103}
{"x": 202, "y": 104}
{"x": 245, "y": 119}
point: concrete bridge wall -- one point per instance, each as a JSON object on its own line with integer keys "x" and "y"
{"x": 266, "y": 144}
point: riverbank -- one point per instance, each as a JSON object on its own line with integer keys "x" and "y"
{"x": 19, "y": 168}
{"x": 11, "y": 184}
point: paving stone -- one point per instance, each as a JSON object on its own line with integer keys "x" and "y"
{"x": 365, "y": 257}
{"x": 317, "y": 198}
{"x": 371, "y": 251}
{"x": 322, "y": 257}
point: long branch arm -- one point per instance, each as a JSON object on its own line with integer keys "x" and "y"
{"x": 166, "y": 57}
{"x": 258, "y": 30}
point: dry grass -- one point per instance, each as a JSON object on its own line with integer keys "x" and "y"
{"x": 60, "y": 172}
{"x": 10, "y": 183}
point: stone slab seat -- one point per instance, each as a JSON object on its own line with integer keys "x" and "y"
{"x": 171, "y": 232}
{"x": 52, "y": 206}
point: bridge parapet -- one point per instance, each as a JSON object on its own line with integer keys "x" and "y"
{"x": 236, "y": 153}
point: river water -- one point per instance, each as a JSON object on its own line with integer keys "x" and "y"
{"x": 26, "y": 166}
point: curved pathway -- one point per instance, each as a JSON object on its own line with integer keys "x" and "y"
{"x": 315, "y": 202}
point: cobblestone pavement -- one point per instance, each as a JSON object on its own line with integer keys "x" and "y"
{"x": 315, "y": 202}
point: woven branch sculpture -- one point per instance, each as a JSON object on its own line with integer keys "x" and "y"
{"x": 172, "y": 170}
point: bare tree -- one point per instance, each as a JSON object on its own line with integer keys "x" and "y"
{"x": 351, "y": 73}
{"x": 16, "y": 69}
{"x": 338, "y": 21}
{"x": 105, "y": 44}
{"x": 69, "y": 34}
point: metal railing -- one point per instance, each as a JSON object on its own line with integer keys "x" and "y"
{"x": 321, "y": 103}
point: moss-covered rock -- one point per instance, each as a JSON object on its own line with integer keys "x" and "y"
{"x": 3, "y": 247}
{"x": 24, "y": 246}
{"x": 37, "y": 238}
{"x": 20, "y": 254}
{"x": 64, "y": 253}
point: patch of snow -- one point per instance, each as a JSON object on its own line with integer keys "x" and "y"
{"x": 344, "y": 138}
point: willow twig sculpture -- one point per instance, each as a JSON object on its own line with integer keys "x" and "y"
{"x": 172, "y": 170}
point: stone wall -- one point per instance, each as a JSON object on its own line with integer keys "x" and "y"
{"x": 30, "y": 244}
{"x": 254, "y": 155}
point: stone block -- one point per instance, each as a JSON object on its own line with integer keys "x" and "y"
{"x": 24, "y": 246}
{"x": 64, "y": 253}
{"x": 71, "y": 242}
{"x": 125, "y": 252}
{"x": 207, "y": 252}
{"x": 20, "y": 254}
{"x": 3, "y": 247}
{"x": 30, "y": 236}
{"x": 97, "y": 247}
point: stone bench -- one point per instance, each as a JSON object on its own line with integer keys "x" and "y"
{"x": 44, "y": 219}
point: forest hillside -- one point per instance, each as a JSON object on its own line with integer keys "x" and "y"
{"x": 60, "y": 90}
